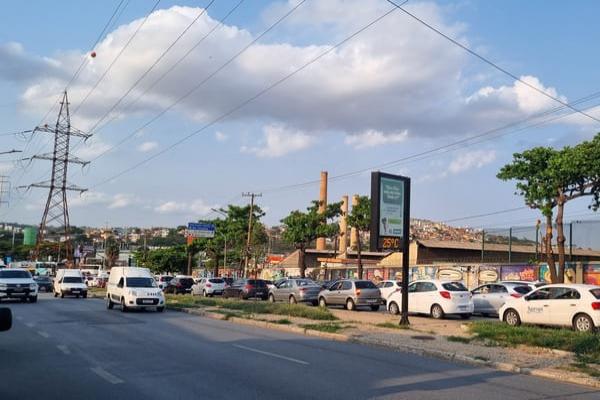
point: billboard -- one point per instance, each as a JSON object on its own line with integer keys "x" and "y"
{"x": 390, "y": 203}
{"x": 201, "y": 230}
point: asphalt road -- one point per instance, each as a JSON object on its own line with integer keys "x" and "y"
{"x": 76, "y": 349}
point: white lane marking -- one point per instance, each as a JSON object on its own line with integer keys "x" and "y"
{"x": 29, "y": 324}
{"x": 266, "y": 353}
{"x": 64, "y": 349}
{"x": 107, "y": 376}
{"x": 43, "y": 334}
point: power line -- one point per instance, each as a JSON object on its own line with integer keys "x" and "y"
{"x": 117, "y": 57}
{"x": 508, "y": 210}
{"x": 197, "y": 86}
{"x": 492, "y": 64}
{"x": 162, "y": 55}
{"x": 249, "y": 100}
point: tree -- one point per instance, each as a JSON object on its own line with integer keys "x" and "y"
{"x": 169, "y": 260}
{"x": 111, "y": 251}
{"x": 360, "y": 219}
{"x": 534, "y": 182}
{"x": 301, "y": 228}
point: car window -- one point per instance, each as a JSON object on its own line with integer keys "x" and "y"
{"x": 522, "y": 289}
{"x": 346, "y": 285}
{"x": 563, "y": 293}
{"x": 14, "y": 273}
{"x": 365, "y": 285}
{"x": 120, "y": 284}
{"x": 541, "y": 294}
{"x": 304, "y": 282}
{"x": 426, "y": 287}
{"x": 335, "y": 286}
{"x": 453, "y": 287}
{"x": 498, "y": 289}
{"x": 412, "y": 288}
{"x": 216, "y": 280}
{"x": 388, "y": 284}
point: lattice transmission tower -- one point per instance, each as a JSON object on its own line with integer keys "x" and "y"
{"x": 4, "y": 190}
{"x": 57, "y": 210}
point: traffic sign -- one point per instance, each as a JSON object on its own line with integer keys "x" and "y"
{"x": 201, "y": 229}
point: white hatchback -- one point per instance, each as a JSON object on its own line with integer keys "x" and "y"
{"x": 208, "y": 287}
{"x": 572, "y": 305}
{"x": 434, "y": 297}
{"x": 387, "y": 288}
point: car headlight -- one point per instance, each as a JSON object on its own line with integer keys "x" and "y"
{"x": 3, "y": 286}
{"x": 33, "y": 286}
{"x": 132, "y": 293}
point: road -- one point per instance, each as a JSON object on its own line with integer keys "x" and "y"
{"x": 76, "y": 349}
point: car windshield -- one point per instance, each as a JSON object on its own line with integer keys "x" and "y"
{"x": 304, "y": 282}
{"x": 365, "y": 285}
{"x": 216, "y": 280}
{"x": 72, "y": 279}
{"x": 595, "y": 293}
{"x": 454, "y": 287}
{"x": 141, "y": 282}
{"x": 42, "y": 279}
{"x": 257, "y": 282}
{"x": 14, "y": 273}
{"x": 187, "y": 281}
{"x": 522, "y": 289}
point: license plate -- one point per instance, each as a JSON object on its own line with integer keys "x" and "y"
{"x": 147, "y": 301}
{"x": 259, "y": 293}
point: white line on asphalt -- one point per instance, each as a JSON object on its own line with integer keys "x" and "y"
{"x": 29, "y": 324}
{"x": 107, "y": 376}
{"x": 43, "y": 334}
{"x": 64, "y": 349}
{"x": 266, "y": 353}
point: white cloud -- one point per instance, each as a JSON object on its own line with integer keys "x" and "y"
{"x": 147, "y": 146}
{"x": 220, "y": 136}
{"x": 119, "y": 200}
{"x": 279, "y": 140}
{"x": 373, "y": 138}
{"x": 91, "y": 149}
{"x": 470, "y": 160}
{"x": 195, "y": 207}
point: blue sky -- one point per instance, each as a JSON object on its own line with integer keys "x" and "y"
{"x": 394, "y": 91}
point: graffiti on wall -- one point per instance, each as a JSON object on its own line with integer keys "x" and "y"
{"x": 591, "y": 274}
{"x": 519, "y": 273}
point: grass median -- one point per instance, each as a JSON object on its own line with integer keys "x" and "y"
{"x": 586, "y": 346}
{"x": 251, "y": 307}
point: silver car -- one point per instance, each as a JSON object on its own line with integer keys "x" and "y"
{"x": 352, "y": 294}
{"x": 488, "y": 298}
{"x": 295, "y": 291}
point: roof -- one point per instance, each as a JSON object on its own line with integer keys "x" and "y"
{"x": 515, "y": 248}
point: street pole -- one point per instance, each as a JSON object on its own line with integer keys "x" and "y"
{"x": 250, "y": 220}
{"x": 537, "y": 238}
{"x": 510, "y": 245}
{"x": 12, "y": 249}
{"x": 482, "y": 245}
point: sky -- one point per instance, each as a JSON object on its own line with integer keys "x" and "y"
{"x": 238, "y": 106}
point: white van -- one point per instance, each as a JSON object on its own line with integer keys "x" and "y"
{"x": 69, "y": 282}
{"x": 133, "y": 287}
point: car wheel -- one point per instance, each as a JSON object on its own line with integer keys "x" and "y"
{"x": 512, "y": 318}
{"x": 109, "y": 303}
{"x": 375, "y": 307}
{"x": 314, "y": 303}
{"x": 465, "y": 316}
{"x": 62, "y": 295}
{"x": 394, "y": 309}
{"x": 55, "y": 294}
{"x": 437, "y": 312}
{"x": 271, "y": 298}
{"x": 322, "y": 302}
{"x": 77, "y": 296}
{"x": 33, "y": 299}
{"x": 84, "y": 295}
{"x": 293, "y": 300}
{"x": 350, "y": 306}
{"x": 160, "y": 309}
{"x": 241, "y": 296}
{"x": 123, "y": 306}
{"x": 583, "y": 323}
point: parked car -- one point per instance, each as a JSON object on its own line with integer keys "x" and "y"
{"x": 295, "y": 291}
{"x": 88, "y": 280}
{"x": 208, "y": 287}
{"x": 17, "y": 283}
{"x": 163, "y": 280}
{"x": 44, "y": 283}
{"x": 488, "y": 298}
{"x": 435, "y": 298}
{"x": 388, "y": 287}
{"x": 133, "y": 287}
{"x": 228, "y": 281}
{"x": 531, "y": 284}
{"x": 573, "y": 305}
{"x": 69, "y": 282}
{"x": 270, "y": 284}
{"x": 352, "y": 294}
{"x": 247, "y": 288}
{"x": 180, "y": 285}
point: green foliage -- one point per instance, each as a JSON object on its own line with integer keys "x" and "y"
{"x": 392, "y": 325}
{"x": 329, "y": 327}
{"x": 111, "y": 251}
{"x": 360, "y": 216}
{"x": 170, "y": 259}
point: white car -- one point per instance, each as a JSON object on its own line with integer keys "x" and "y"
{"x": 434, "y": 297}
{"x": 572, "y": 305}
{"x": 531, "y": 284}
{"x": 70, "y": 282}
{"x": 387, "y": 288}
{"x": 133, "y": 287}
{"x": 163, "y": 280}
{"x": 208, "y": 287}
{"x": 17, "y": 283}
{"x": 488, "y": 298}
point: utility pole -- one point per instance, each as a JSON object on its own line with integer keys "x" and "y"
{"x": 250, "y": 221}
{"x": 56, "y": 209}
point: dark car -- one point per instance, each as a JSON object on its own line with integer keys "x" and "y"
{"x": 179, "y": 285}
{"x": 247, "y": 288}
{"x": 44, "y": 283}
